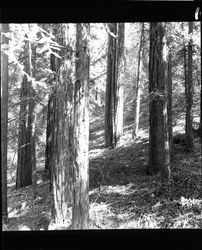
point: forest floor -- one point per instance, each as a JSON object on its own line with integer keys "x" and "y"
{"x": 122, "y": 195}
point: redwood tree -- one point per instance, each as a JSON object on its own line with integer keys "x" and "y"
{"x": 118, "y": 89}
{"x": 61, "y": 171}
{"x": 114, "y": 85}
{"x": 80, "y": 210}
{"x": 4, "y": 118}
{"x": 26, "y": 138}
{"x": 49, "y": 154}
{"x": 159, "y": 160}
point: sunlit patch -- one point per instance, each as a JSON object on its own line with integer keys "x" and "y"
{"x": 100, "y": 215}
{"x": 188, "y": 220}
{"x": 24, "y": 228}
{"x": 147, "y": 221}
{"x": 119, "y": 189}
{"x": 13, "y": 213}
{"x": 39, "y": 181}
{"x": 190, "y": 202}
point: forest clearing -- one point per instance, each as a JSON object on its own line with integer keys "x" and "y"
{"x": 101, "y": 126}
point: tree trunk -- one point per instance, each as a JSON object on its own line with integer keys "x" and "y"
{"x": 200, "y": 126}
{"x": 189, "y": 95}
{"x": 49, "y": 155}
{"x": 31, "y": 135}
{"x": 80, "y": 213}
{"x": 24, "y": 168}
{"x": 170, "y": 126}
{"x": 200, "y": 129}
{"x": 118, "y": 91}
{"x": 109, "y": 97}
{"x": 114, "y": 86}
{"x": 138, "y": 87}
{"x": 50, "y": 136}
{"x": 22, "y": 179}
{"x": 4, "y": 120}
{"x": 61, "y": 168}
{"x": 159, "y": 161}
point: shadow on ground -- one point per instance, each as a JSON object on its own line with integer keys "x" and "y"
{"x": 122, "y": 194}
{"x": 118, "y": 165}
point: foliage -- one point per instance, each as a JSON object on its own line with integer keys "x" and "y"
{"x": 122, "y": 195}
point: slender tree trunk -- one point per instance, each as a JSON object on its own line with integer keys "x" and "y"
{"x": 61, "y": 168}
{"x": 4, "y": 120}
{"x": 118, "y": 105}
{"x": 109, "y": 97}
{"x": 159, "y": 160}
{"x": 200, "y": 130}
{"x": 189, "y": 95}
{"x": 185, "y": 73}
{"x": 50, "y": 136}
{"x": 170, "y": 126}
{"x": 138, "y": 87}
{"x": 33, "y": 122}
{"x": 114, "y": 82}
{"x": 200, "y": 126}
{"x": 80, "y": 213}
{"x": 48, "y": 139}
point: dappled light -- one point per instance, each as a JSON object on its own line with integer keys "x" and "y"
{"x": 104, "y": 126}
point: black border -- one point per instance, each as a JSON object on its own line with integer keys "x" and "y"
{"x": 105, "y": 239}
{"x": 101, "y": 11}
{"x": 98, "y": 11}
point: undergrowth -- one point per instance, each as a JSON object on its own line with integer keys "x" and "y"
{"x": 122, "y": 195}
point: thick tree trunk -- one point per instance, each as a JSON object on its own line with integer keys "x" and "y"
{"x": 50, "y": 126}
{"x": 189, "y": 95}
{"x": 24, "y": 168}
{"x": 109, "y": 97}
{"x": 23, "y": 177}
{"x": 49, "y": 155}
{"x": 118, "y": 91}
{"x": 61, "y": 166}
{"x": 114, "y": 86}
{"x": 159, "y": 160}
{"x": 4, "y": 120}
{"x": 80, "y": 213}
{"x": 138, "y": 87}
{"x": 26, "y": 140}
